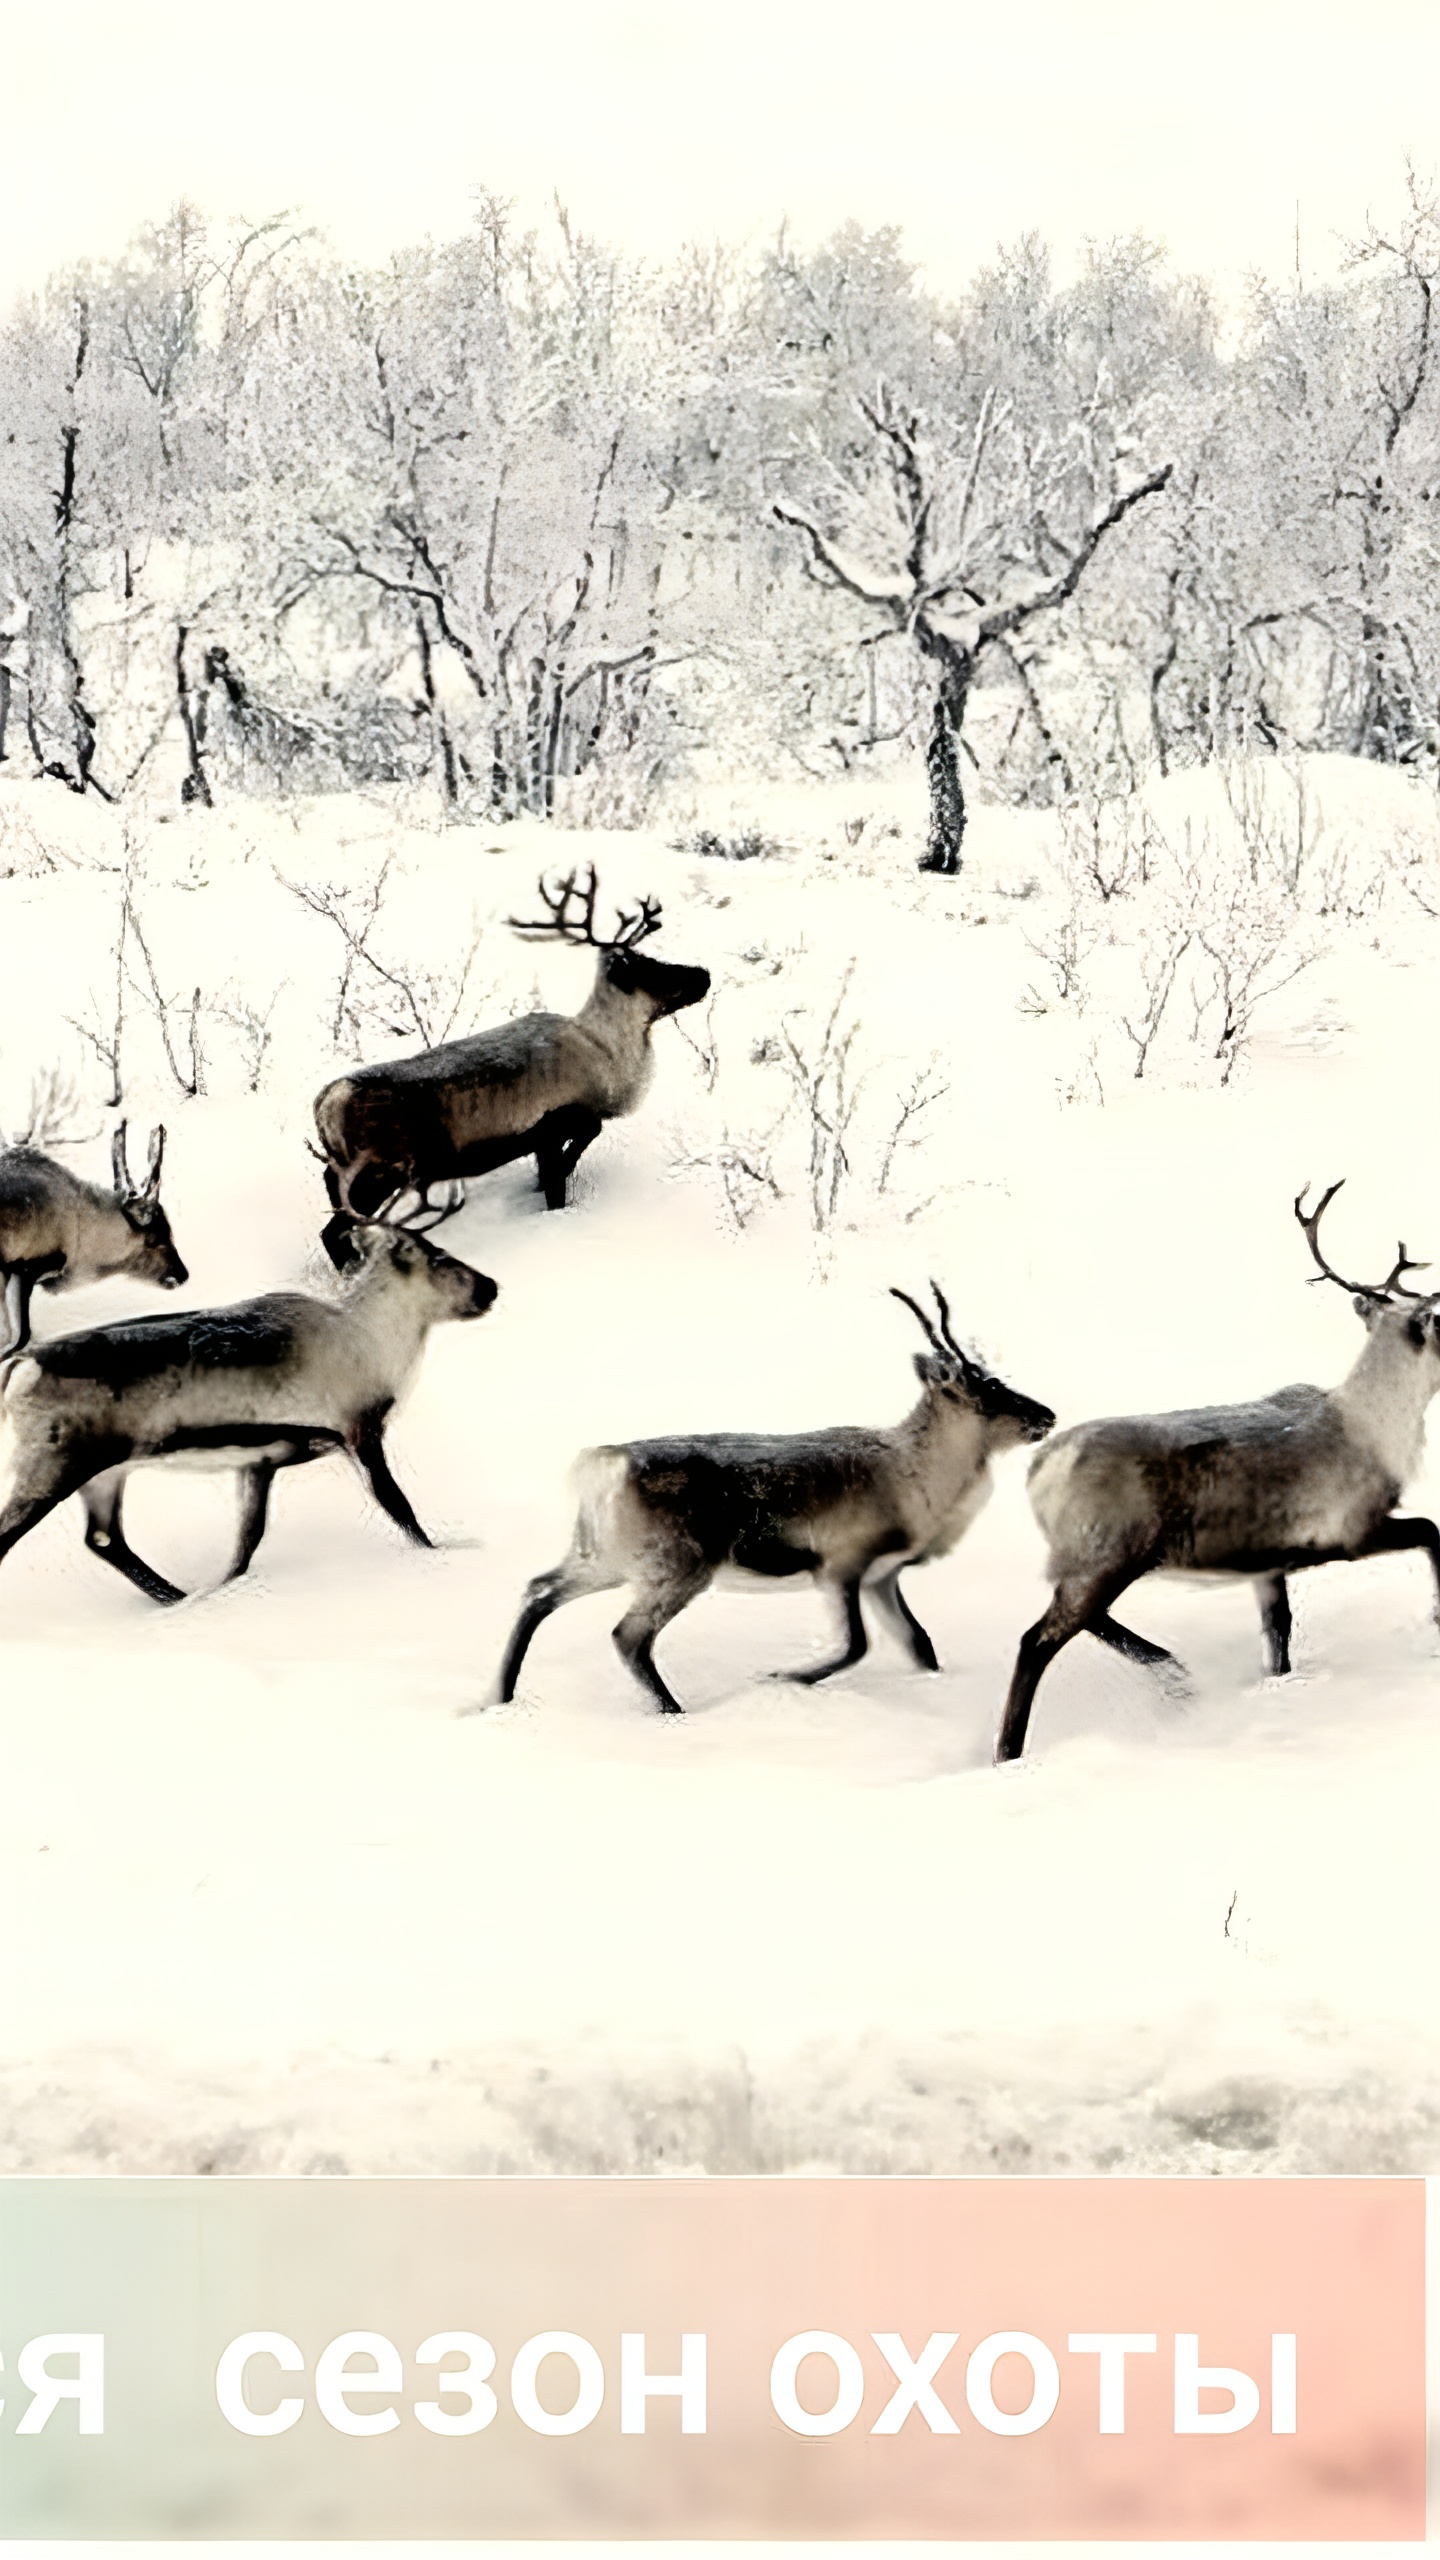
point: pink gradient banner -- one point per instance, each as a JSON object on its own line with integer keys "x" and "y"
{"x": 869, "y": 2358}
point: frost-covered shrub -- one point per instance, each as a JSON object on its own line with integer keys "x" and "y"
{"x": 748, "y": 844}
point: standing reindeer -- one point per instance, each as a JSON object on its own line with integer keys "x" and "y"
{"x": 269, "y": 1383}
{"x": 852, "y": 1508}
{"x": 1303, "y": 1477}
{"x": 57, "y": 1232}
{"x": 542, "y": 1086}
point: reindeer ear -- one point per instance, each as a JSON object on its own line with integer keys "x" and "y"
{"x": 341, "y": 1240}
{"x": 157, "y": 1158}
{"x": 120, "y": 1171}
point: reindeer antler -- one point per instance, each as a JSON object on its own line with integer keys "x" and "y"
{"x": 632, "y": 923}
{"x": 560, "y": 922}
{"x": 939, "y": 1296}
{"x": 944, "y": 1341}
{"x": 1392, "y": 1287}
{"x": 1387, "y": 1288}
{"x": 921, "y": 1317}
{"x": 425, "y": 1214}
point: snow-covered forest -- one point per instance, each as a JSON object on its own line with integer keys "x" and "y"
{"x": 339, "y": 606}
{"x": 546, "y": 525}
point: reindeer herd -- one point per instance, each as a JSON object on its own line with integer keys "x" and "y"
{"x": 1256, "y": 1491}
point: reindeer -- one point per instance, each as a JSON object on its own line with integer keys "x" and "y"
{"x": 269, "y": 1383}
{"x": 57, "y": 1232}
{"x": 852, "y": 1508}
{"x": 1258, "y": 1491}
{"x": 542, "y": 1086}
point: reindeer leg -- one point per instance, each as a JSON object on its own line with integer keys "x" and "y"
{"x": 890, "y": 1600}
{"x": 1395, "y": 1537}
{"x": 1273, "y": 1594}
{"x": 857, "y": 1643}
{"x": 51, "y": 1476}
{"x": 560, "y": 1142}
{"x": 255, "y": 1483}
{"x": 19, "y": 1286}
{"x": 572, "y": 1580}
{"x": 367, "y": 1448}
{"x": 549, "y": 1175}
{"x": 1153, "y": 1657}
{"x": 643, "y": 1621}
{"x": 585, "y": 1128}
{"x": 105, "y": 1538}
{"x": 1076, "y": 1604}
{"x": 546, "y": 1593}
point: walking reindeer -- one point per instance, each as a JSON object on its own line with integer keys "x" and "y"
{"x": 57, "y": 1232}
{"x": 271, "y": 1382}
{"x": 853, "y": 1508}
{"x": 542, "y": 1086}
{"x": 1303, "y": 1477}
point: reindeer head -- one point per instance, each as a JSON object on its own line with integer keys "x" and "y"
{"x": 952, "y": 1373}
{"x": 663, "y": 984}
{"x": 403, "y": 1247}
{"x": 155, "y": 1257}
{"x": 1385, "y": 1305}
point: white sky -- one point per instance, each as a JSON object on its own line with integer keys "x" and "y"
{"x": 658, "y": 119}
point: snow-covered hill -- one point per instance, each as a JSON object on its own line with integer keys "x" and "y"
{"x": 270, "y": 1901}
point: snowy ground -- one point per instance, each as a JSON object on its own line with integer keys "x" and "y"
{"x": 270, "y": 1902}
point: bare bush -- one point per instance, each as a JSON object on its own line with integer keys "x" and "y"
{"x": 743, "y": 1170}
{"x": 703, "y": 1044}
{"x": 103, "y": 1027}
{"x": 749, "y": 845}
{"x": 177, "y": 1018}
{"x": 377, "y": 992}
{"x": 1252, "y": 949}
{"x": 839, "y": 1141}
{"x": 815, "y": 1056}
{"x": 24, "y": 853}
{"x": 250, "y": 1023}
{"x": 1279, "y": 828}
{"x": 1415, "y": 863}
{"x": 1156, "y": 959}
{"x": 1063, "y": 952}
{"x": 55, "y": 1107}
{"x": 1108, "y": 848}
{"x": 1225, "y": 915}
{"x": 909, "y": 1128}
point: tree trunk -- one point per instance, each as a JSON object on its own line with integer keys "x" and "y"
{"x": 196, "y": 783}
{"x": 439, "y": 725}
{"x": 942, "y": 767}
{"x": 947, "y": 800}
{"x": 82, "y": 718}
{"x": 4, "y": 708}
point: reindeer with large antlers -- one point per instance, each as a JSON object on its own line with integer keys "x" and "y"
{"x": 542, "y": 1086}
{"x": 852, "y": 1508}
{"x": 1258, "y": 1491}
{"x": 57, "y": 1232}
